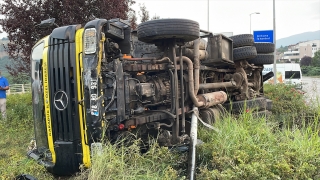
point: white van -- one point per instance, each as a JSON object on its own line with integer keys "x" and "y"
{"x": 289, "y": 73}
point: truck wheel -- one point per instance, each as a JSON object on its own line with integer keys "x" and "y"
{"x": 246, "y": 52}
{"x": 264, "y": 47}
{"x": 261, "y": 59}
{"x": 242, "y": 40}
{"x": 213, "y": 114}
{"x": 183, "y": 29}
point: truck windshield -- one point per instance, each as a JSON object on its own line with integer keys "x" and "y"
{"x": 37, "y": 98}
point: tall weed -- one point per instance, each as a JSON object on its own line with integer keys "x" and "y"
{"x": 250, "y": 148}
{"x": 115, "y": 162}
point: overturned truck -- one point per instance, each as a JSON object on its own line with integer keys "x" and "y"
{"x": 105, "y": 79}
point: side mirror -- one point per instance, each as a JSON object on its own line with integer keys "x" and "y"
{"x": 47, "y": 23}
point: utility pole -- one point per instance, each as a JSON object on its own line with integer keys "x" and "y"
{"x": 274, "y": 41}
{"x": 208, "y": 15}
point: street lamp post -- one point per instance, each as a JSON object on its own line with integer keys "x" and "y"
{"x": 274, "y": 41}
{"x": 250, "y": 19}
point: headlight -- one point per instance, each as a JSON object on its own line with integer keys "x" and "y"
{"x": 90, "y": 41}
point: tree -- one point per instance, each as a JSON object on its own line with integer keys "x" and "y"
{"x": 21, "y": 16}
{"x": 282, "y": 49}
{"x": 155, "y": 17}
{"x": 143, "y": 13}
{"x": 133, "y": 19}
{"x": 316, "y": 59}
{"x": 305, "y": 61}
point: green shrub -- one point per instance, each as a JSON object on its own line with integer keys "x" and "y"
{"x": 286, "y": 99}
{"x": 310, "y": 70}
{"x": 289, "y": 105}
{"x": 19, "y": 106}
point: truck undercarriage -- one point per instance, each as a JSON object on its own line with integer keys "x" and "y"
{"x": 104, "y": 79}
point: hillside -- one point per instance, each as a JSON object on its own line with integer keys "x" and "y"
{"x": 3, "y": 62}
{"x": 306, "y": 36}
{"x": 4, "y": 58}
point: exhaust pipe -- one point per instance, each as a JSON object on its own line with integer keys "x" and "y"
{"x": 191, "y": 82}
{"x": 213, "y": 98}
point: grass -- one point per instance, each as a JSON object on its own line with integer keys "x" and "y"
{"x": 16, "y": 132}
{"x": 246, "y": 148}
{"x": 250, "y": 148}
{"x": 128, "y": 163}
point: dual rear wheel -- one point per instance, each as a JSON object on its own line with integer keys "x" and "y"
{"x": 244, "y": 48}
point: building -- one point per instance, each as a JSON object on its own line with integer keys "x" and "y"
{"x": 308, "y": 48}
{"x": 297, "y": 51}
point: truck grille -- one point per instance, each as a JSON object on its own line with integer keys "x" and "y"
{"x": 62, "y": 78}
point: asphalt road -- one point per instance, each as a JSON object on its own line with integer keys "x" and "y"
{"x": 311, "y": 86}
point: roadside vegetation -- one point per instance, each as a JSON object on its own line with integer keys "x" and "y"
{"x": 311, "y": 66}
{"x": 16, "y": 132}
{"x": 310, "y": 71}
{"x": 285, "y": 145}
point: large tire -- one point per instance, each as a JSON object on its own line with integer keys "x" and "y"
{"x": 242, "y": 40}
{"x": 246, "y": 52}
{"x": 264, "y": 48}
{"x": 262, "y": 59}
{"x": 183, "y": 29}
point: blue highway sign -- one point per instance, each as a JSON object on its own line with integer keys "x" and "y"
{"x": 263, "y": 36}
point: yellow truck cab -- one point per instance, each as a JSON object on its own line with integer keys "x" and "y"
{"x": 63, "y": 73}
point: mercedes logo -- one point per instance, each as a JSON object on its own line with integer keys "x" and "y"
{"x": 61, "y": 100}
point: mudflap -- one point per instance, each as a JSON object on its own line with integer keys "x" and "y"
{"x": 66, "y": 159}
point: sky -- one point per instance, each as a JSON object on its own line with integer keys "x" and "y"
{"x": 291, "y": 16}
